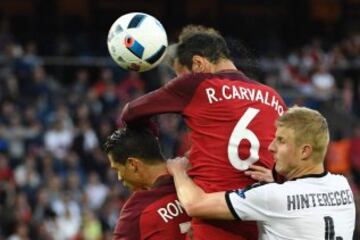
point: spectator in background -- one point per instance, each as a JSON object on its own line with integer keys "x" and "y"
{"x": 347, "y": 96}
{"x": 16, "y": 134}
{"x": 91, "y": 227}
{"x": 22, "y": 209}
{"x": 31, "y": 58}
{"x": 106, "y": 77}
{"x": 81, "y": 83}
{"x": 324, "y": 83}
{"x": 86, "y": 137}
{"x": 69, "y": 222}
{"x": 58, "y": 139}
{"x": 11, "y": 89}
{"x": 26, "y": 176}
{"x": 66, "y": 205}
{"x": 104, "y": 129}
{"x": 53, "y": 187}
{"x": 95, "y": 191}
{"x": 42, "y": 88}
{"x": 6, "y": 172}
{"x": 73, "y": 185}
{"x": 63, "y": 114}
{"x": 131, "y": 87}
{"x": 21, "y": 232}
{"x": 42, "y": 202}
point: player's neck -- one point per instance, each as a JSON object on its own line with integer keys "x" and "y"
{"x": 224, "y": 64}
{"x": 302, "y": 171}
{"x": 153, "y": 173}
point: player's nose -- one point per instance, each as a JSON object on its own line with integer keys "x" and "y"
{"x": 119, "y": 176}
{"x": 271, "y": 147}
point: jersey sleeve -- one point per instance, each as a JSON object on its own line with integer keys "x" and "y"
{"x": 171, "y": 98}
{"x": 127, "y": 228}
{"x": 249, "y": 204}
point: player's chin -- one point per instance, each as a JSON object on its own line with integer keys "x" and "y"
{"x": 278, "y": 168}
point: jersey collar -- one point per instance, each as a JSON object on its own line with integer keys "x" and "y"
{"x": 311, "y": 176}
{"x": 163, "y": 180}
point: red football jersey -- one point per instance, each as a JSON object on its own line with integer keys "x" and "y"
{"x": 231, "y": 120}
{"x": 153, "y": 214}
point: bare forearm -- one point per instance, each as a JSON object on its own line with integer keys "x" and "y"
{"x": 197, "y": 203}
{"x": 188, "y": 192}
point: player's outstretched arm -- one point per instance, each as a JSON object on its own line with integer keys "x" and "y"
{"x": 195, "y": 201}
{"x": 171, "y": 98}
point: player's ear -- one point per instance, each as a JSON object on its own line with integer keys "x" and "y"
{"x": 133, "y": 164}
{"x": 199, "y": 64}
{"x": 306, "y": 151}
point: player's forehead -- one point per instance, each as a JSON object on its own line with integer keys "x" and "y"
{"x": 112, "y": 161}
{"x": 284, "y": 132}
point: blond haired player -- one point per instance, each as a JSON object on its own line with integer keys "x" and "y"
{"x": 311, "y": 204}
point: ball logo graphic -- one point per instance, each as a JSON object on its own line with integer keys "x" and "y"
{"x": 137, "y": 41}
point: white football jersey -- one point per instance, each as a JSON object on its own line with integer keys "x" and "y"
{"x": 314, "y": 207}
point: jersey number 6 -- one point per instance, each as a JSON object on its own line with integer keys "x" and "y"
{"x": 239, "y": 133}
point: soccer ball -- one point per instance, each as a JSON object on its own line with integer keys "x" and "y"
{"x": 137, "y": 41}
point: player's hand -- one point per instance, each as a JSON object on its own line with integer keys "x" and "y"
{"x": 178, "y": 164}
{"x": 260, "y": 173}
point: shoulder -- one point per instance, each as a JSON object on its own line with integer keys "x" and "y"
{"x": 185, "y": 86}
{"x": 335, "y": 176}
{"x": 141, "y": 201}
{"x": 255, "y": 202}
{"x": 266, "y": 191}
{"x": 336, "y": 179}
{"x": 163, "y": 189}
{"x": 189, "y": 80}
{"x": 194, "y": 76}
{"x": 253, "y": 193}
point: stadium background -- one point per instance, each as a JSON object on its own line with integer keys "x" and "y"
{"x": 60, "y": 94}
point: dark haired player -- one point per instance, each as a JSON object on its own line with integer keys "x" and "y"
{"x": 231, "y": 120}
{"x": 152, "y": 212}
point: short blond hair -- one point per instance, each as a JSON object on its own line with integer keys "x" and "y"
{"x": 309, "y": 127}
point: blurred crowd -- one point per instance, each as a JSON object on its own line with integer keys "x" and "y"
{"x": 55, "y": 180}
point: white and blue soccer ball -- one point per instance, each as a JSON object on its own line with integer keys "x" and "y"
{"x": 137, "y": 41}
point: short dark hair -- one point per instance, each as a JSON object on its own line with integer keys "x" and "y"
{"x": 192, "y": 29}
{"x": 210, "y": 45}
{"x": 129, "y": 142}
